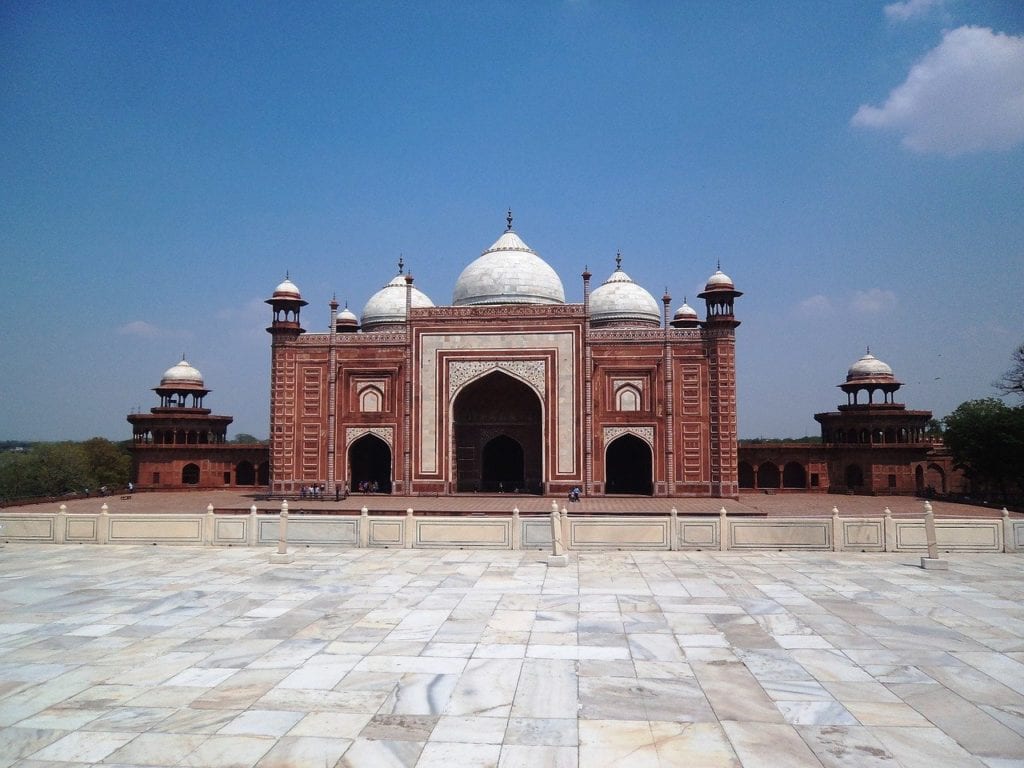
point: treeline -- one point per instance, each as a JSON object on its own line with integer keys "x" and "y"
{"x": 986, "y": 438}
{"x": 58, "y": 469}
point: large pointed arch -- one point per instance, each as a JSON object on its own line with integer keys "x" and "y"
{"x": 497, "y": 434}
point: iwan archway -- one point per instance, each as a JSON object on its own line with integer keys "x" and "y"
{"x": 497, "y": 426}
{"x": 369, "y": 460}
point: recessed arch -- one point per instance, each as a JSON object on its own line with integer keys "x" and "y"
{"x": 746, "y": 475}
{"x": 627, "y": 398}
{"x": 369, "y": 460}
{"x": 629, "y": 466}
{"x": 794, "y": 475}
{"x": 854, "y": 476}
{"x": 245, "y": 473}
{"x": 497, "y": 434}
{"x": 190, "y": 474}
{"x": 371, "y": 400}
{"x": 768, "y": 475}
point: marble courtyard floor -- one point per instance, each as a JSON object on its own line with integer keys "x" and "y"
{"x": 180, "y": 656}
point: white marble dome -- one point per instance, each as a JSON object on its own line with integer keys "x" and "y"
{"x": 620, "y": 300}
{"x": 718, "y": 281}
{"x": 868, "y": 367}
{"x": 508, "y": 273}
{"x": 287, "y": 290}
{"x": 388, "y": 304}
{"x": 182, "y": 375}
{"x": 685, "y": 312}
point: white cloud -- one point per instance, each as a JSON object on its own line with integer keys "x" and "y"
{"x": 910, "y": 9}
{"x": 965, "y": 95}
{"x": 815, "y": 306}
{"x": 143, "y": 330}
{"x": 873, "y": 302}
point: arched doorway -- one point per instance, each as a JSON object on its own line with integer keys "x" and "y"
{"x": 503, "y": 468}
{"x": 190, "y": 474}
{"x": 628, "y": 466}
{"x": 746, "y": 475}
{"x": 245, "y": 473}
{"x": 263, "y": 473}
{"x": 794, "y": 475}
{"x": 854, "y": 477}
{"x": 369, "y": 462}
{"x": 768, "y": 475}
{"x": 919, "y": 479}
{"x": 497, "y": 431}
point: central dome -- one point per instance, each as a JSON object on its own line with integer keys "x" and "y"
{"x": 508, "y": 273}
{"x": 620, "y": 301}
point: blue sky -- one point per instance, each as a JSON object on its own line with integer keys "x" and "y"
{"x": 857, "y": 167}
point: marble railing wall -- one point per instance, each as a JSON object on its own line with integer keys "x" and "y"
{"x": 514, "y": 531}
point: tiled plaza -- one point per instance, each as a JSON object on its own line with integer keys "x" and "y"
{"x": 188, "y": 656}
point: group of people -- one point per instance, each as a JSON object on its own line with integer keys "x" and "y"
{"x": 369, "y": 486}
{"x": 574, "y": 494}
{"x": 312, "y": 491}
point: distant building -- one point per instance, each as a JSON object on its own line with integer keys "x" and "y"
{"x": 870, "y": 445}
{"x": 507, "y": 389}
{"x": 181, "y": 444}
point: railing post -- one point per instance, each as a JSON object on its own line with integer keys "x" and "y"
{"x": 837, "y": 531}
{"x": 557, "y": 558}
{"x": 723, "y": 530}
{"x": 410, "y": 526}
{"x": 673, "y": 529}
{"x": 889, "y": 531}
{"x": 103, "y": 525}
{"x": 364, "y": 527}
{"x": 282, "y": 555}
{"x": 517, "y": 533}
{"x": 208, "y": 534}
{"x": 932, "y": 561}
{"x": 60, "y": 525}
{"x": 253, "y": 535}
{"x": 1009, "y": 542}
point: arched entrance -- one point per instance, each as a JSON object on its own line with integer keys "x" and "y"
{"x": 794, "y": 475}
{"x": 628, "y": 466}
{"x": 369, "y": 463}
{"x": 497, "y": 430}
{"x": 190, "y": 474}
{"x": 854, "y": 477}
{"x": 245, "y": 473}
{"x": 768, "y": 475}
{"x": 263, "y": 473}
{"x": 746, "y": 475}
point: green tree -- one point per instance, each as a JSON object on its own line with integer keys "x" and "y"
{"x": 986, "y": 438}
{"x": 109, "y": 463}
{"x": 245, "y": 437}
{"x": 57, "y": 468}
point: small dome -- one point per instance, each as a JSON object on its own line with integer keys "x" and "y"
{"x": 346, "y": 320}
{"x": 388, "y": 304}
{"x": 718, "y": 281}
{"x": 685, "y": 312}
{"x": 620, "y": 300}
{"x": 868, "y": 367}
{"x": 182, "y": 375}
{"x": 287, "y": 290}
{"x": 508, "y": 273}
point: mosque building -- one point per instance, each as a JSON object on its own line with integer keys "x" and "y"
{"x": 508, "y": 388}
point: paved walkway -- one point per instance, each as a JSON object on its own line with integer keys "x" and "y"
{"x": 178, "y": 656}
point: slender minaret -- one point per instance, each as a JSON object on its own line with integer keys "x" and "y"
{"x": 285, "y": 328}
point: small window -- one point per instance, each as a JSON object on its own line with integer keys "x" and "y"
{"x": 627, "y": 399}
{"x": 227, "y": 478}
{"x": 892, "y": 481}
{"x": 814, "y": 479}
{"x": 156, "y": 478}
{"x": 370, "y": 400}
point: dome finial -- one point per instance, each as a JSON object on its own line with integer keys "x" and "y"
{"x": 719, "y": 264}
{"x": 868, "y": 350}
{"x": 286, "y": 275}
{"x": 509, "y": 220}
{"x": 618, "y": 260}
{"x": 401, "y": 264}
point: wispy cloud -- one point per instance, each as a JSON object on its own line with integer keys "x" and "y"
{"x": 911, "y": 9}
{"x": 965, "y": 95}
{"x": 815, "y": 306}
{"x": 143, "y": 330}
{"x": 874, "y": 301}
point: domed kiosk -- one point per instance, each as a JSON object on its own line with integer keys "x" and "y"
{"x": 181, "y": 444}
{"x": 509, "y": 389}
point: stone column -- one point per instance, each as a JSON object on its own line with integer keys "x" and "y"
{"x": 932, "y": 561}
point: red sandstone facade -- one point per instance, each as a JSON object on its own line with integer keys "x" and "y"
{"x": 871, "y": 445}
{"x": 180, "y": 444}
{"x": 509, "y": 389}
